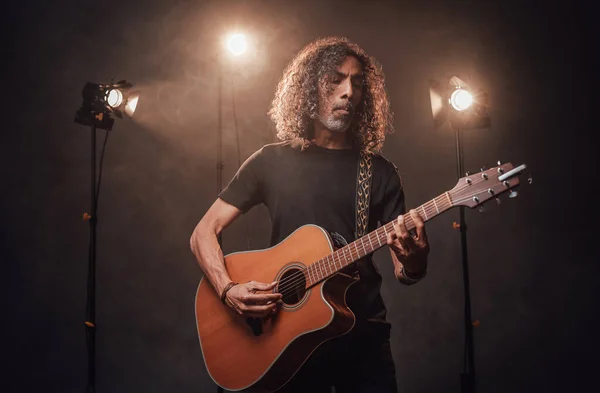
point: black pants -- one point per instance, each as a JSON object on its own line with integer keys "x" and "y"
{"x": 354, "y": 363}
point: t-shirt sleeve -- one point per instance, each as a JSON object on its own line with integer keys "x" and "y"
{"x": 245, "y": 189}
{"x": 393, "y": 203}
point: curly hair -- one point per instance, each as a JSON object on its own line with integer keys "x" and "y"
{"x": 296, "y": 99}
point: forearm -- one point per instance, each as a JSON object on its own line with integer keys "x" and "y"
{"x": 401, "y": 274}
{"x": 208, "y": 253}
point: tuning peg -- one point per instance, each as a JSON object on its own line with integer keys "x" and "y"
{"x": 530, "y": 179}
{"x": 499, "y": 162}
{"x": 481, "y": 209}
{"x": 468, "y": 173}
{"x": 483, "y": 168}
{"x": 513, "y": 194}
{"x": 498, "y": 201}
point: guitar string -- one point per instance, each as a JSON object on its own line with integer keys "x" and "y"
{"x": 296, "y": 278}
{"x": 426, "y": 208}
{"x": 326, "y": 262}
{"x": 294, "y": 282}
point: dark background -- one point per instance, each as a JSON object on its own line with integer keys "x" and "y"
{"x": 533, "y": 260}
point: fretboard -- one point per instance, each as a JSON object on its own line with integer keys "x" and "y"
{"x": 342, "y": 257}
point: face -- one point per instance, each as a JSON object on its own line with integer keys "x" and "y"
{"x": 340, "y": 95}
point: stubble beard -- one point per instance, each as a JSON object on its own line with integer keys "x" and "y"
{"x": 336, "y": 123}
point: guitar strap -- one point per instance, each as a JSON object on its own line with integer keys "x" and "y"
{"x": 363, "y": 195}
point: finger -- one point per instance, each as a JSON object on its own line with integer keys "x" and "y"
{"x": 398, "y": 244}
{"x": 395, "y": 244}
{"x": 232, "y": 305}
{"x": 235, "y": 305}
{"x": 400, "y": 227}
{"x": 390, "y": 238}
{"x": 404, "y": 237}
{"x": 258, "y": 311}
{"x": 419, "y": 225}
{"x": 262, "y": 298}
{"x": 396, "y": 233}
{"x": 398, "y": 250}
{"x": 259, "y": 286}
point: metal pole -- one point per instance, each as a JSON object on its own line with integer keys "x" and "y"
{"x": 90, "y": 323}
{"x": 219, "y": 154}
{"x": 468, "y": 375}
{"x": 219, "y": 140}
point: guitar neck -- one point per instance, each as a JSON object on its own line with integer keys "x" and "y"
{"x": 341, "y": 258}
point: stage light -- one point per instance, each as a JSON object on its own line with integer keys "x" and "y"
{"x": 461, "y": 99}
{"x": 131, "y": 105}
{"x": 459, "y": 104}
{"x": 114, "y": 98}
{"x": 237, "y": 44}
{"x": 102, "y": 100}
{"x": 120, "y": 99}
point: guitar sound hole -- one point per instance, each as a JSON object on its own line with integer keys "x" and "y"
{"x": 292, "y": 285}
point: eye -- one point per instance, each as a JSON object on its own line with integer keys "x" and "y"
{"x": 359, "y": 82}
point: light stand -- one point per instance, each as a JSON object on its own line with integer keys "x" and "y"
{"x": 456, "y": 103}
{"x": 99, "y": 102}
{"x": 90, "y": 313}
{"x": 220, "y": 163}
{"x": 236, "y": 46}
{"x": 467, "y": 378}
{"x": 100, "y": 120}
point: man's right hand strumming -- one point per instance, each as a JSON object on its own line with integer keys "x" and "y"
{"x": 250, "y": 299}
{"x": 245, "y": 298}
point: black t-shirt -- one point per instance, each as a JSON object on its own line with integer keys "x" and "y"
{"x": 318, "y": 186}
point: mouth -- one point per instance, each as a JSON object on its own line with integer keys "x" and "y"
{"x": 343, "y": 111}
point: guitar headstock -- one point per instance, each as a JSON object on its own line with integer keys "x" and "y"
{"x": 475, "y": 189}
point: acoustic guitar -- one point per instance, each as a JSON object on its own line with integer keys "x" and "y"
{"x": 263, "y": 354}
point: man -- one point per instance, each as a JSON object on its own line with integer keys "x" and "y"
{"x": 329, "y": 106}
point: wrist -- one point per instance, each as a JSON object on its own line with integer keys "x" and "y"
{"x": 412, "y": 278}
{"x": 227, "y": 287}
{"x": 414, "y": 274}
{"x": 220, "y": 282}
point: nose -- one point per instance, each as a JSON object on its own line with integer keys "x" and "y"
{"x": 347, "y": 89}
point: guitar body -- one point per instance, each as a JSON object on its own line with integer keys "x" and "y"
{"x": 237, "y": 357}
